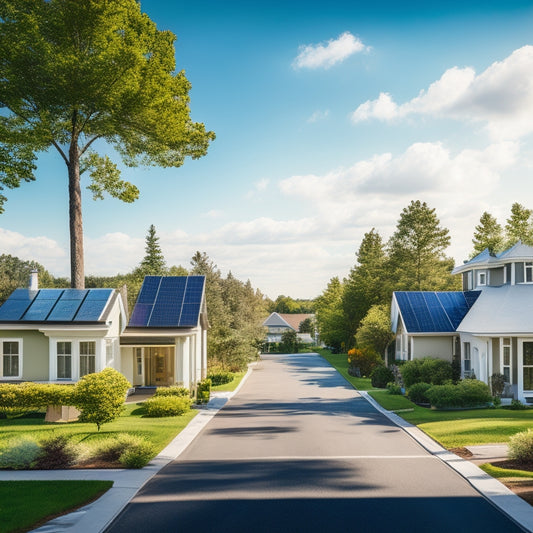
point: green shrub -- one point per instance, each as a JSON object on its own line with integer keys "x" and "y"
{"x": 19, "y": 453}
{"x": 173, "y": 391}
{"x": 132, "y": 451}
{"x": 521, "y": 447}
{"x": 516, "y": 405}
{"x": 203, "y": 391}
{"x": 100, "y": 396}
{"x": 380, "y": 376}
{"x": 417, "y": 392}
{"x": 159, "y": 406}
{"x": 220, "y": 377}
{"x": 467, "y": 393}
{"x": 362, "y": 362}
{"x": 426, "y": 370}
{"x": 56, "y": 452}
{"x": 393, "y": 388}
{"x": 137, "y": 456}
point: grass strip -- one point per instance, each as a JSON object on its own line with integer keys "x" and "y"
{"x": 232, "y": 385}
{"x": 27, "y": 504}
{"x": 501, "y": 473}
{"x": 340, "y": 362}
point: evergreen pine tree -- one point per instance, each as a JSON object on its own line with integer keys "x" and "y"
{"x": 153, "y": 263}
{"x": 488, "y": 234}
{"x": 518, "y": 226}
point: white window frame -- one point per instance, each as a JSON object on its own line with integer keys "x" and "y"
{"x": 528, "y": 268}
{"x": 479, "y": 275}
{"x": 88, "y": 355}
{"x": 20, "y": 357}
{"x": 506, "y": 342}
{"x": 73, "y": 370}
{"x": 467, "y": 351}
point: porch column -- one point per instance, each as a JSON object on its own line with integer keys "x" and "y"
{"x": 198, "y": 356}
{"x": 204, "y": 354}
{"x": 186, "y": 351}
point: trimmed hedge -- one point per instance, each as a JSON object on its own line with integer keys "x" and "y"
{"x": 426, "y": 370}
{"x": 159, "y": 406}
{"x": 467, "y": 393}
{"x": 173, "y": 391}
{"x": 220, "y": 378}
{"x": 417, "y": 393}
{"x": 203, "y": 391}
{"x": 20, "y": 398}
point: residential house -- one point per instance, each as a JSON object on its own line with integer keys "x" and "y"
{"x": 278, "y": 323}
{"x": 59, "y": 335}
{"x": 488, "y": 326}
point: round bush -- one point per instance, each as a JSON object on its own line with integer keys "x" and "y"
{"x": 467, "y": 393}
{"x": 366, "y": 360}
{"x": 417, "y": 392}
{"x": 426, "y": 370}
{"x": 137, "y": 456}
{"x": 381, "y": 376}
{"x": 521, "y": 447}
{"x": 159, "y": 406}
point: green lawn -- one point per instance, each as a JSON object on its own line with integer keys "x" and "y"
{"x": 340, "y": 362}
{"x": 451, "y": 428}
{"x": 499, "y": 473}
{"x": 159, "y": 431}
{"x": 232, "y": 385}
{"x": 26, "y": 504}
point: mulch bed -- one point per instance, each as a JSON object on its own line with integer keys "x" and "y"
{"x": 462, "y": 452}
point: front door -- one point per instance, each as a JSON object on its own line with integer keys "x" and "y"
{"x": 159, "y": 365}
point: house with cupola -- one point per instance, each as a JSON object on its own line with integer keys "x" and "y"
{"x": 487, "y": 327}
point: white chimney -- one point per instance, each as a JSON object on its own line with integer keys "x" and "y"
{"x": 34, "y": 280}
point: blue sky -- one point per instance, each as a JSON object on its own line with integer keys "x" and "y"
{"x": 330, "y": 118}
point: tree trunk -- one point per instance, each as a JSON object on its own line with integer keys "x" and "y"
{"x": 77, "y": 271}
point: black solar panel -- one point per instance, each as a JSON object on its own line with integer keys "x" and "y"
{"x": 140, "y": 315}
{"x": 90, "y": 310}
{"x": 437, "y": 312}
{"x": 64, "y": 310}
{"x": 149, "y": 290}
{"x": 99, "y": 294}
{"x": 168, "y": 303}
{"x": 15, "y": 306}
{"x": 409, "y": 317}
{"x": 39, "y": 309}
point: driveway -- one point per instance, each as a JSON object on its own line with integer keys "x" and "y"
{"x": 298, "y": 450}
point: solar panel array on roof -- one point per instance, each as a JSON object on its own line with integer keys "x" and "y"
{"x": 168, "y": 301}
{"x": 55, "y": 305}
{"x": 440, "y": 312}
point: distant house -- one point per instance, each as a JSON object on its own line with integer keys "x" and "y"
{"x": 278, "y": 323}
{"x": 59, "y": 335}
{"x": 487, "y": 327}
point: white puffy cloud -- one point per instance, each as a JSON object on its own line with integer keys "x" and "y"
{"x": 259, "y": 187}
{"x": 325, "y": 55}
{"x": 501, "y": 97}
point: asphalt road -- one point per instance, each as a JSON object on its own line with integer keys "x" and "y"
{"x": 298, "y": 450}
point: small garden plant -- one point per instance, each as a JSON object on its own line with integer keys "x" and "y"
{"x": 521, "y": 447}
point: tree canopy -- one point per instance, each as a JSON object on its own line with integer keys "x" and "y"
{"x": 153, "y": 263}
{"x": 76, "y": 72}
{"x": 488, "y": 234}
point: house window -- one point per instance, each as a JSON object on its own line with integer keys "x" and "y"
{"x": 467, "y": 363}
{"x": 528, "y": 366}
{"x": 481, "y": 278}
{"x": 11, "y": 354}
{"x": 87, "y": 358}
{"x": 528, "y": 272}
{"x": 506, "y": 359}
{"x": 64, "y": 360}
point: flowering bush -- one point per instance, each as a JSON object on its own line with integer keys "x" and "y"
{"x": 363, "y": 362}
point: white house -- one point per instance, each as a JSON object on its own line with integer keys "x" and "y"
{"x": 488, "y": 326}
{"x": 278, "y": 323}
{"x": 59, "y": 335}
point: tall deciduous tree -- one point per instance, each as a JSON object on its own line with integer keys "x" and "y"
{"x": 153, "y": 263}
{"x": 416, "y": 250}
{"x": 518, "y": 226}
{"x": 368, "y": 283}
{"x": 375, "y": 329}
{"x": 330, "y": 318}
{"x": 488, "y": 234}
{"x": 74, "y": 72}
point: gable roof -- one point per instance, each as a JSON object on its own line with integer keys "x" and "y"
{"x": 292, "y": 320}
{"x": 433, "y": 312}
{"x": 502, "y": 310}
{"x": 56, "y": 306}
{"x": 169, "y": 302}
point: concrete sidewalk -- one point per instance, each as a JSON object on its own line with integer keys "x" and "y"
{"x": 96, "y": 516}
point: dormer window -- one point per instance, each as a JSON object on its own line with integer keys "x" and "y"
{"x": 481, "y": 278}
{"x": 528, "y": 272}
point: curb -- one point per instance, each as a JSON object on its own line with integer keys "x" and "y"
{"x": 490, "y": 488}
{"x": 98, "y": 515}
